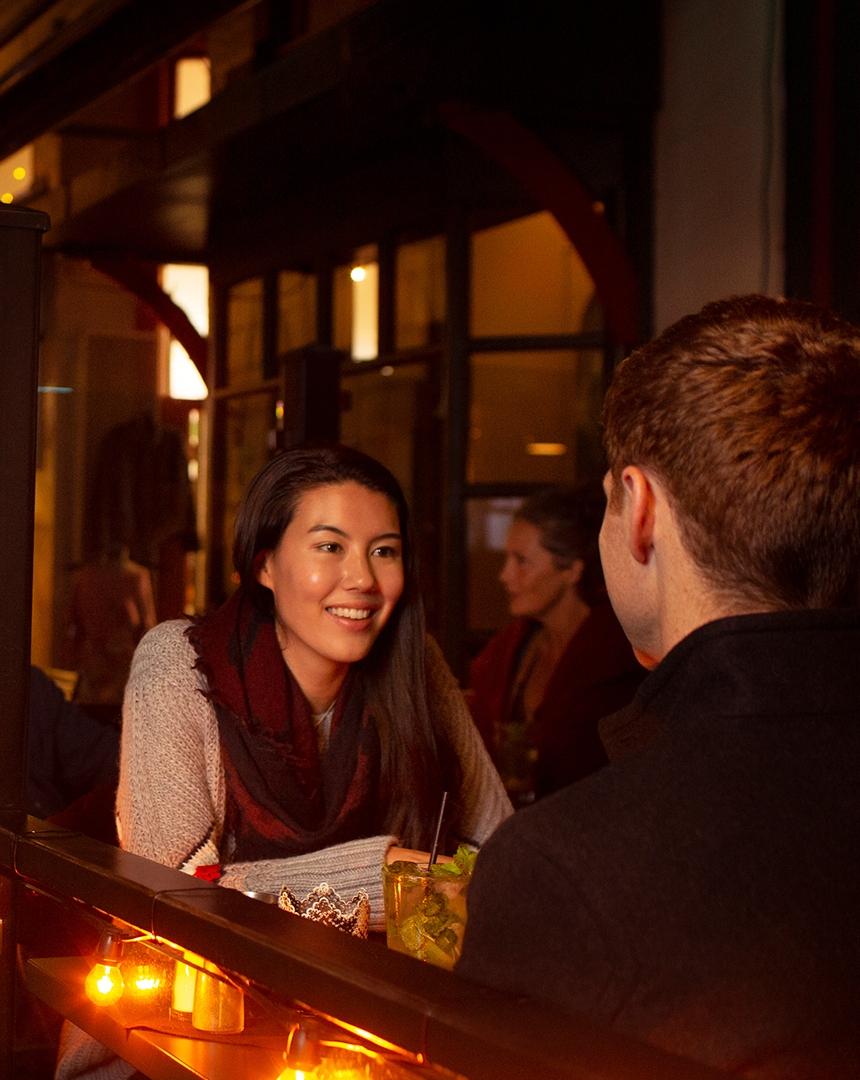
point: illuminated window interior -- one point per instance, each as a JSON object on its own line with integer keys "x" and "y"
{"x": 529, "y": 250}
{"x": 193, "y": 85}
{"x": 187, "y": 286}
{"x": 16, "y": 175}
{"x": 364, "y": 275}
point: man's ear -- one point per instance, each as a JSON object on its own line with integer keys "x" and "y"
{"x": 638, "y": 511}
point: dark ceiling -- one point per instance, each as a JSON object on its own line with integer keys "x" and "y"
{"x": 327, "y": 107}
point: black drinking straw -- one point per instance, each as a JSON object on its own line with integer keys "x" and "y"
{"x": 438, "y": 830}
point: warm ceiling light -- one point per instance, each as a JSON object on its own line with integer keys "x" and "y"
{"x": 19, "y": 173}
{"x": 546, "y": 449}
{"x": 6, "y": 197}
{"x": 358, "y": 273}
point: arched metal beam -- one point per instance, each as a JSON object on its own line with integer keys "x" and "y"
{"x": 553, "y": 184}
{"x": 137, "y": 277}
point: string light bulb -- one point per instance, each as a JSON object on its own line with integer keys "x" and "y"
{"x": 302, "y": 1055}
{"x": 104, "y": 984}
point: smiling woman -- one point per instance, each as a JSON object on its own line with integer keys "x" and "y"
{"x": 305, "y": 731}
{"x": 310, "y": 723}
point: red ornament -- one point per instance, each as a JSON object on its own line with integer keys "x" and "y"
{"x": 209, "y": 873}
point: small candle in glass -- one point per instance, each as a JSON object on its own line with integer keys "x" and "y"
{"x": 218, "y": 1005}
{"x": 184, "y": 982}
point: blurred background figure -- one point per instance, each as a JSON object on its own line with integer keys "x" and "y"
{"x": 72, "y": 762}
{"x": 541, "y": 684}
{"x": 112, "y": 608}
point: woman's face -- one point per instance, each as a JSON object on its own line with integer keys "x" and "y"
{"x": 336, "y": 575}
{"x": 533, "y": 582}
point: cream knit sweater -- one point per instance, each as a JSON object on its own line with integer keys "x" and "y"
{"x": 171, "y": 798}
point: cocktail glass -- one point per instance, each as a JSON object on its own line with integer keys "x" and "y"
{"x": 425, "y": 914}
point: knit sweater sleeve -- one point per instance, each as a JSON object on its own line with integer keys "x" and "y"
{"x": 483, "y": 802}
{"x": 171, "y": 798}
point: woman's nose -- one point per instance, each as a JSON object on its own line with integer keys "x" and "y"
{"x": 358, "y": 572}
{"x": 504, "y": 572}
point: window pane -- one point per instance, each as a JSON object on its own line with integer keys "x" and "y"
{"x": 420, "y": 293}
{"x": 487, "y": 523}
{"x": 192, "y": 84}
{"x": 249, "y": 440}
{"x": 527, "y": 278}
{"x": 373, "y": 399}
{"x": 245, "y": 331}
{"x": 297, "y": 310}
{"x": 356, "y": 305}
{"x": 534, "y": 417}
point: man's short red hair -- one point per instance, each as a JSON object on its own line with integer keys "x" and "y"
{"x": 749, "y": 414}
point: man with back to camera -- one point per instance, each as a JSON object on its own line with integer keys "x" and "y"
{"x": 702, "y": 891}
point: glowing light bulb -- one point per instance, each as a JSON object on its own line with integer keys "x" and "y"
{"x": 104, "y": 983}
{"x": 358, "y": 273}
{"x": 302, "y": 1055}
{"x": 6, "y": 197}
{"x": 19, "y": 173}
{"x": 145, "y": 980}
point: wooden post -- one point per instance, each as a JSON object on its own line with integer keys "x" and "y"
{"x": 20, "y": 247}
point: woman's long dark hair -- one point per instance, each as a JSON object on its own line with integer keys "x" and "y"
{"x": 417, "y": 764}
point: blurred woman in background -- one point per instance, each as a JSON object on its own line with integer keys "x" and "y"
{"x": 541, "y": 684}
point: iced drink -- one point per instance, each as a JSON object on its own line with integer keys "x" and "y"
{"x": 425, "y": 910}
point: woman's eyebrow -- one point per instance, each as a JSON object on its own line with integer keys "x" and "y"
{"x": 328, "y": 528}
{"x": 345, "y": 535}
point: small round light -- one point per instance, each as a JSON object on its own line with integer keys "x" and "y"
{"x": 6, "y": 197}
{"x": 358, "y": 273}
{"x": 19, "y": 173}
{"x": 104, "y": 983}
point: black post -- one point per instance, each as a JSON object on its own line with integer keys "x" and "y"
{"x": 457, "y": 397}
{"x": 20, "y": 247}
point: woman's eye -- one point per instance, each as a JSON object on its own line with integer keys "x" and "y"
{"x": 385, "y": 551}
{"x": 330, "y": 547}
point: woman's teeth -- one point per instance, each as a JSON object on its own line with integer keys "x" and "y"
{"x": 350, "y": 612}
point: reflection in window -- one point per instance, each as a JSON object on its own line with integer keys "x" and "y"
{"x": 527, "y": 278}
{"x": 245, "y": 331}
{"x": 382, "y": 416}
{"x": 487, "y": 523}
{"x": 533, "y": 417}
{"x": 297, "y": 310}
{"x": 420, "y": 293}
{"x": 249, "y": 439}
{"x": 356, "y": 305}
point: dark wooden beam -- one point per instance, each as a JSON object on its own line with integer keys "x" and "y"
{"x": 139, "y": 278}
{"x": 127, "y": 42}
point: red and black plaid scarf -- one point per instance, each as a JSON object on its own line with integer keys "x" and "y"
{"x": 283, "y": 797}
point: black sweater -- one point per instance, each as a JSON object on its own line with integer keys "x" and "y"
{"x": 702, "y": 892}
